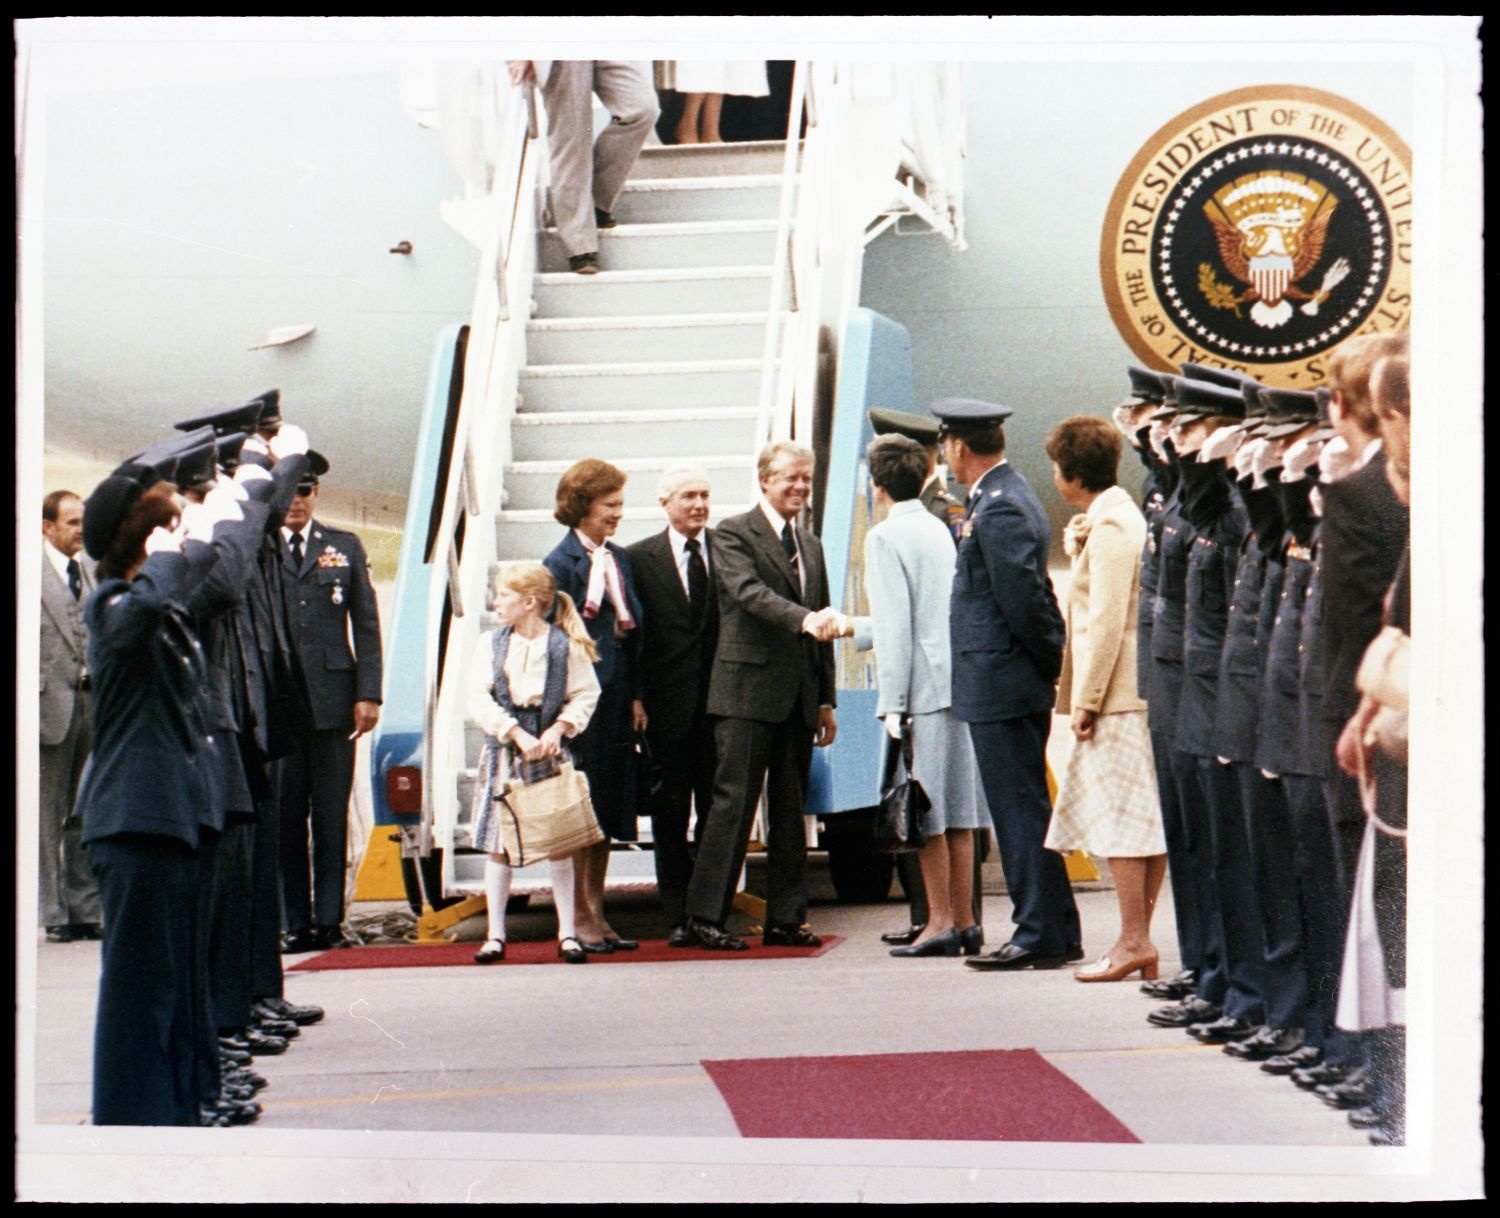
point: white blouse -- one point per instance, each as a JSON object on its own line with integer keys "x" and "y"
{"x": 526, "y": 670}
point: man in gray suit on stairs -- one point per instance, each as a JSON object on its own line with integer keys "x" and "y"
{"x": 69, "y": 894}
{"x": 587, "y": 174}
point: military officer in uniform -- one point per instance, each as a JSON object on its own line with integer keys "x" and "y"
{"x": 1008, "y": 638}
{"x": 331, "y": 605}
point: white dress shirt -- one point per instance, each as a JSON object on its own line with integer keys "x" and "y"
{"x": 680, "y": 555}
{"x": 778, "y": 522}
{"x": 526, "y": 670}
{"x": 58, "y": 559}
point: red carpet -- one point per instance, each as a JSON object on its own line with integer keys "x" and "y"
{"x": 1000, "y": 1095}
{"x": 436, "y": 955}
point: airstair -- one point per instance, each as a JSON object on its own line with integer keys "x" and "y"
{"x": 709, "y": 330}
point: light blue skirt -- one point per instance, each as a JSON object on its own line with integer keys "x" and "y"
{"x": 943, "y": 762}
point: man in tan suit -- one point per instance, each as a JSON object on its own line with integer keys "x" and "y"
{"x": 68, "y": 894}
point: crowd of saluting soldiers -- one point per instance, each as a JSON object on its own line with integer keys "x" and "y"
{"x": 202, "y": 718}
{"x": 1273, "y": 625}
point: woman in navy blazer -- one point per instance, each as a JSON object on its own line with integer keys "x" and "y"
{"x": 597, "y": 574}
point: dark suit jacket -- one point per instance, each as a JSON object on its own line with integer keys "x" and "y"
{"x": 330, "y": 599}
{"x": 676, "y": 656}
{"x": 1365, "y": 530}
{"x": 1007, "y": 630}
{"x": 569, "y": 563}
{"x": 765, "y": 667}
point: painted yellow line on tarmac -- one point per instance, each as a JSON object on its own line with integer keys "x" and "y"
{"x": 390, "y": 1091}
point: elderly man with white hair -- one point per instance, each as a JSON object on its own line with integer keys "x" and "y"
{"x": 674, "y": 579}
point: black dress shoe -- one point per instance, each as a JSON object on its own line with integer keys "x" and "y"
{"x": 1368, "y": 1117}
{"x": 971, "y": 940}
{"x": 262, "y": 1045}
{"x": 1268, "y": 1042}
{"x": 1351, "y": 1093}
{"x": 1184, "y": 1014}
{"x": 247, "y": 1078}
{"x": 715, "y": 939}
{"x": 299, "y": 941}
{"x": 328, "y": 937}
{"x": 602, "y": 948}
{"x": 681, "y": 936}
{"x": 233, "y": 1057}
{"x": 301, "y": 1015}
{"x": 1393, "y": 1134}
{"x": 60, "y": 934}
{"x": 87, "y": 930}
{"x": 1172, "y": 988}
{"x": 584, "y": 264}
{"x": 233, "y": 1041}
{"x": 617, "y": 944}
{"x": 572, "y": 951}
{"x": 790, "y": 936}
{"x": 1074, "y": 953}
{"x": 1011, "y": 958}
{"x": 949, "y": 943}
{"x": 1221, "y": 1031}
{"x": 1297, "y": 1059}
{"x": 603, "y": 219}
{"x": 283, "y": 1028}
{"x": 903, "y": 938}
{"x": 1319, "y": 1075}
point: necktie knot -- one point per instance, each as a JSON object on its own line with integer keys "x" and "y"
{"x": 297, "y": 548}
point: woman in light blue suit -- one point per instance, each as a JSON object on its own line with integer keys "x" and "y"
{"x": 909, "y": 561}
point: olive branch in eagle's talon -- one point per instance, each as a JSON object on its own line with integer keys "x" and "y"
{"x": 1219, "y": 295}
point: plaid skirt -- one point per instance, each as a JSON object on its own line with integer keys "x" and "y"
{"x": 1107, "y": 802}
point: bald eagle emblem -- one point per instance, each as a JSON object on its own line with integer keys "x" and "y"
{"x": 1270, "y": 227}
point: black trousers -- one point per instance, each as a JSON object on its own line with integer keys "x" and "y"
{"x": 265, "y": 902}
{"x": 752, "y": 754}
{"x": 687, "y": 769}
{"x": 1273, "y": 870}
{"x": 144, "y": 1033}
{"x": 231, "y": 901}
{"x": 1325, "y": 895}
{"x": 1236, "y": 905}
{"x": 312, "y": 784}
{"x": 1012, "y": 756}
{"x": 1182, "y": 868}
{"x": 1197, "y": 874}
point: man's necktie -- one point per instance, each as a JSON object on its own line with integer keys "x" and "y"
{"x": 297, "y": 551}
{"x": 75, "y": 578}
{"x": 789, "y": 544}
{"x": 697, "y": 573}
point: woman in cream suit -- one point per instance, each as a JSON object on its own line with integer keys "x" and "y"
{"x": 909, "y": 561}
{"x": 1107, "y": 803}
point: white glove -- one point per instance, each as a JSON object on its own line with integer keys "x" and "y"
{"x": 1244, "y": 460}
{"x": 1269, "y": 458}
{"x": 1315, "y": 501}
{"x": 1158, "y": 437}
{"x": 1223, "y": 444}
{"x": 893, "y": 725}
{"x": 216, "y": 509}
{"x": 290, "y": 441}
{"x": 225, "y": 484}
{"x": 1122, "y": 415}
{"x": 1335, "y": 461}
{"x": 247, "y": 474}
{"x": 164, "y": 541}
{"x": 254, "y": 444}
{"x": 1300, "y": 458}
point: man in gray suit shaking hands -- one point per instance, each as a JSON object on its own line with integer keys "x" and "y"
{"x": 772, "y": 691}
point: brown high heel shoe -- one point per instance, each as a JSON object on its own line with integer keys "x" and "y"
{"x": 1105, "y": 969}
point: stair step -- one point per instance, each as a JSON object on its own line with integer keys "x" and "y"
{"x": 688, "y": 384}
{"x": 682, "y": 290}
{"x": 668, "y": 200}
{"x": 533, "y": 484}
{"x": 629, "y": 247}
{"x": 623, "y": 434}
{"x": 582, "y": 340}
{"x": 709, "y": 160}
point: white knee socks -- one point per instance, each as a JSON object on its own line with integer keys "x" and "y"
{"x": 496, "y": 894}
{"x": 562, "y": 896}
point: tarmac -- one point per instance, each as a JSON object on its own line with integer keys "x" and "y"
{"x": 522, "y": 1082}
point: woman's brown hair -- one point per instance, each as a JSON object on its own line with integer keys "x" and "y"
{"x": 154, "y": 509}
{"x": 582, "y": 483}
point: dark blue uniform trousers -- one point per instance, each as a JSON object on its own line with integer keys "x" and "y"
{"x": 1273, "y": 868}
{"x": 1012, "y": 756}
{"x": 1233, "y": 909}
{"x": 1325, "y": 892}
{"x": 1182, "y": 869}
{"x": 313, "y": 784}
{"x": 144, "y": 1034}
{"x": 231, "y": 899}
{"x": 1197, "y": 873}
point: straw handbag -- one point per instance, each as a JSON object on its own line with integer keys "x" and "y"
{"x": 547, "y": 819}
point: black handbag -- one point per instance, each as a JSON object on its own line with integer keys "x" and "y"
{"x": 903, "y": 804}
{"x": 650, "y": 779}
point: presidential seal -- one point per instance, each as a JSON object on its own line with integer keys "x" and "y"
{"x": 1258, "y": 231}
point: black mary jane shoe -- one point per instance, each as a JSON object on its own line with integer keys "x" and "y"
{"x": 617, "y": 944}
{"x": 492, "y": 952}
{"x": 602, "y": 948}
{"x": 572, "y": 950}
{"x": 949, "y": 943}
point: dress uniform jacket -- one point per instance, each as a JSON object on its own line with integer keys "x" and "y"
{"x": 1209, "y": 590}
{"x": 1168, "y": 616}
{"x": 1007, "y": 630}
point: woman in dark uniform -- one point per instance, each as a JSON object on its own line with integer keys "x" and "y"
{"x": 143, "y": 796}
{"x": 597, "y": 574}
